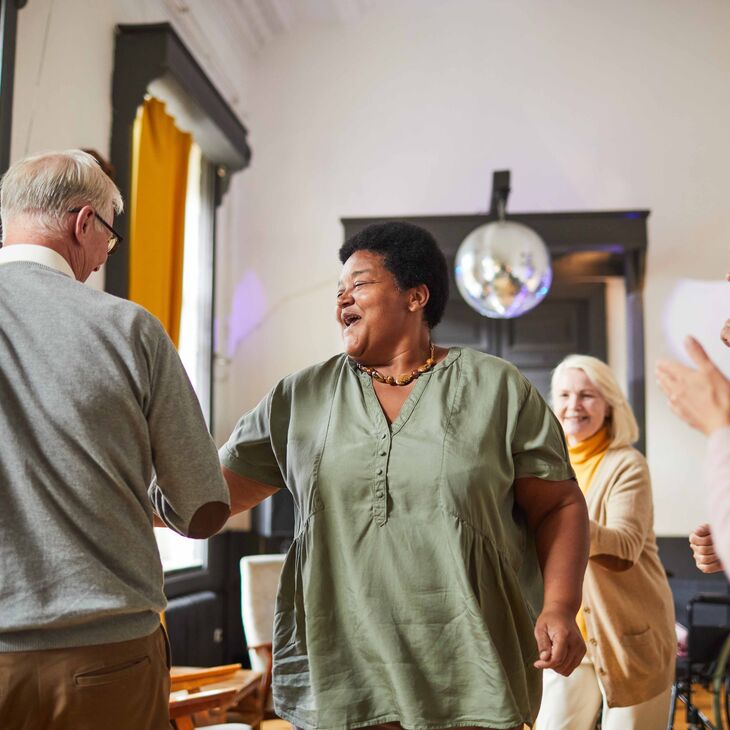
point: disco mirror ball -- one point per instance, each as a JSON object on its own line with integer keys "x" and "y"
{"x": 503, "y": 269}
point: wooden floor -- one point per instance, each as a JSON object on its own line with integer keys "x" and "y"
{"x": 701, "y": 698}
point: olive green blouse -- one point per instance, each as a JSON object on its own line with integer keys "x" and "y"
{"x": 410, "y": 591}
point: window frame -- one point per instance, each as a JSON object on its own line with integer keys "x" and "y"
{"x": 185, "y": 581}
{"x": 145, "y": 54}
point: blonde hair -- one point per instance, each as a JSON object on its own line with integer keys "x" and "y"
{"x": 622, "y": 426}
{"x": 46, "y": 187}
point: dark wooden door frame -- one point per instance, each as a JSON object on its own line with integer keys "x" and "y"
{"x": 8, "y": 37}
{"x": 619, "y": 236}
{"x": 143, "y": 54}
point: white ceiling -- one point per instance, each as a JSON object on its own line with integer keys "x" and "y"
{"x": 254, "y": 23}
{"x": 226, "y": 35}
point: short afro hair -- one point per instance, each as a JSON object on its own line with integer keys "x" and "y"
{"x": 412, "y": 255}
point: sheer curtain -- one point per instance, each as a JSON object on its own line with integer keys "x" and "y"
{"x": 196, "y": 318}
{"x": 171, "y": 264}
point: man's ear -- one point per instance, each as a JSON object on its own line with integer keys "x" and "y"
{"x": 418, "y": 297}
{"x": 84, "y": 222}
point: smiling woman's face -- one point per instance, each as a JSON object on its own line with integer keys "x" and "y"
{"x": 371, "y": 310}
{"x": 579, "y": 405}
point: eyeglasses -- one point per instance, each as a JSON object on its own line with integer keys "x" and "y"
{"x": 114, "y": 240}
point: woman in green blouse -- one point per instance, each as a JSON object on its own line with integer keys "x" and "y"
{"x": 434, "y": 496}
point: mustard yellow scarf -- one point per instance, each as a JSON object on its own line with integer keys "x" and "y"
{"x": 585, "y": 458}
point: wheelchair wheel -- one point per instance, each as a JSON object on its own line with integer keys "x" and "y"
{"x": 720, "y": 681}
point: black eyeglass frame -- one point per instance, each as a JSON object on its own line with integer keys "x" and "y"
{"x": 116, "y": 239}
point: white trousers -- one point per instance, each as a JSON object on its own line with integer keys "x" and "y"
{"x": 573, "y": 703}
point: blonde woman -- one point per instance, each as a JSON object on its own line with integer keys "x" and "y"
{"x": 627, "y": 614}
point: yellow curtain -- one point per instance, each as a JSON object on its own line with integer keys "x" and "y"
{"x": 157, "y": 214}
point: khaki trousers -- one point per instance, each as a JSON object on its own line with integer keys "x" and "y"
{"x": 120, "y": 686}
{"x": 573, "y": 703}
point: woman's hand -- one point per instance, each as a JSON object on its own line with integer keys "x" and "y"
{"x": 699, "y": 397}
{"x": 559, "y": 642}
{"x": 703, "y": 550}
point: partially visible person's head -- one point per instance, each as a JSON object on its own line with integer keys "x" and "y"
{"x": 586, "y": 397}
{"x": 41, "y": 191}
{"x": 412, "y": 256}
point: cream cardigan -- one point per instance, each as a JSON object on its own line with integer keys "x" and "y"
{"x": 627, "y": 601}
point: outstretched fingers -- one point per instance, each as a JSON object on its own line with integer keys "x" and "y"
{"x": 698, "y": 355}
{"x": 670, "y": 374}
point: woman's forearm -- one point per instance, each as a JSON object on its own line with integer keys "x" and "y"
{"x": 556, "y": 512}
{"x": 562, "y": 546}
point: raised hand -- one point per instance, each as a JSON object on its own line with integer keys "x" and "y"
{"x": 699, "y": 397}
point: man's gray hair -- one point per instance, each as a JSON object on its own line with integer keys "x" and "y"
{"x": 46, "y": 187}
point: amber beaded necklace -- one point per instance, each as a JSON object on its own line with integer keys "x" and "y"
{"x": 404, "y": 379}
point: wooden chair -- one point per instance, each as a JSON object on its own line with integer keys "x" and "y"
{"x": 259, "y": 585}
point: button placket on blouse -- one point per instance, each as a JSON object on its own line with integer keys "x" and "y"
{"x": 380, "y": 499}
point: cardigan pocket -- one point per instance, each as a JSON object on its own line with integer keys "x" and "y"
{"x": 638, "y": 656}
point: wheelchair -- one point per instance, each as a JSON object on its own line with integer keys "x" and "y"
{"x": 706, "y": 663}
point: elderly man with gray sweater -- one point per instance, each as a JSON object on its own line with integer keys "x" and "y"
{"x": 100, "y": 434}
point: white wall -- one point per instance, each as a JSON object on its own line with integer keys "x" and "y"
{"x": 408, "y": 111}
{"x": 64, "y": 65}
{"x": 593, "y": 106}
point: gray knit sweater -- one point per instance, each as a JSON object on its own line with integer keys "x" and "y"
{"x": 94, "y": 402}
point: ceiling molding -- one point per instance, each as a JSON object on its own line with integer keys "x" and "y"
{"x": 257, "y": 23}
{"x": 206, "y": 34}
